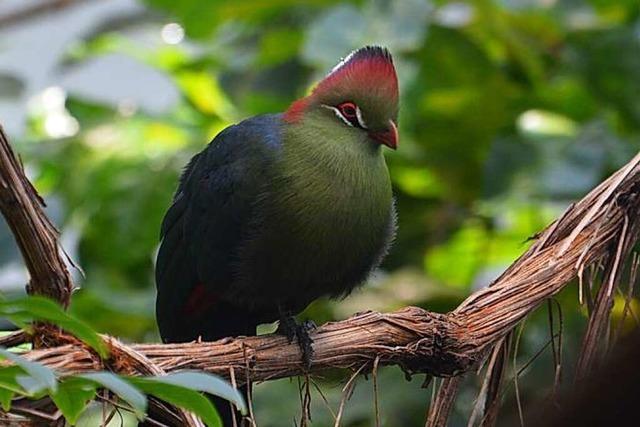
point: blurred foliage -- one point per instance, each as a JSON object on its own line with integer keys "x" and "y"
{"x": 510, "y": 110}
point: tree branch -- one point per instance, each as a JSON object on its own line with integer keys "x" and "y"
{"x": 590, "y": 231}
{"x": 418, "y": 340}
{"x": 36, "y": 236}
{"x": 34, "y": 11}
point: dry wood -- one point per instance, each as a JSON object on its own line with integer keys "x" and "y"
{"x": 36, "y": 236}
{"x": 158, "y": 410}
{"x": 439, "y": 411}
{"x": 602, "y": 226}
{"x": 418, "y": 340}
{"x": 37, "y": 239}
{"x": 606, "y": 210}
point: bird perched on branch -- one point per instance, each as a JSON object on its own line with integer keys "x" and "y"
{"x": 282, "y": 209}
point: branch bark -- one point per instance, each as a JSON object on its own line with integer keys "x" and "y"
{"x": 444, "y": 345}
{"x": 37, "y": 237}
{"x": 420, "y": 341}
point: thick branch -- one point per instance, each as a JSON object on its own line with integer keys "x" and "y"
{"x": 417, "y": 340}
{"x": 413, "y": 338}
{"x": 36, "y": 236}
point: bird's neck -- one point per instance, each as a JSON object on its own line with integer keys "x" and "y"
{"x": 324, "y": 159}
{"x": 323, "y": 139}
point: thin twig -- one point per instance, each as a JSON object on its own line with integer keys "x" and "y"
{"x": 526, "y": 366}
{"x": 633, "y": 276}
{"x": 515, "y": 368}
{"x": 376, "y": 405}
{"x": 232, "y": 376}
{"x": 324, "y": 398}
{"x": 346, "y": 394}
{"x": 439, "y": 411}
{"x": 558, "y": 365}
{"x": 482, "y": 397}
{"x": 14, "y": 338}
{"x": 252, "y": 418}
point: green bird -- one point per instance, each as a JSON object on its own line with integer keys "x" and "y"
{"x": 282, "y": 209}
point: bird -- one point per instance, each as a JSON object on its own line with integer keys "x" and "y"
{"x": 282, "y": 209}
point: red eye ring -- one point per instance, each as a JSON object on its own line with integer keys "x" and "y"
{"x": 349, "y": 110}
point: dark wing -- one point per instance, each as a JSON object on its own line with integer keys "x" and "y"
{"x": 208, "y": 220}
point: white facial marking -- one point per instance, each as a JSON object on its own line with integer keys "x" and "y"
{"x": 338, "y": 113}
{"x": 363, "y": 125}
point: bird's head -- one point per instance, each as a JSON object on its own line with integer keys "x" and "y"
{"x": 362, "y": 92}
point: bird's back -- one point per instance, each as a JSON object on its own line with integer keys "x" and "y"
{"x": 265, "y": 221}
{"x": 204, "y": 228}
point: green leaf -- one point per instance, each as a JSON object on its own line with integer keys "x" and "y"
{"x": 5, "y": 398}
{"x": 9, "y": 386}
{"x": 122, "y": 388}
{"x": 34, "y": 308}
{"x": 180, "y": 396}
{"x": 205, "y": 93}
{"x": 39, "y": 376}
{"x": 8, "y": 376}
{"x": 73, "y": 396}
{"x": 208, "y": 383}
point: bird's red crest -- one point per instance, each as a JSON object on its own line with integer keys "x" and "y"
{"x": 369, "y": 70}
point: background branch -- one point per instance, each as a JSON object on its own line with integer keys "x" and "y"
{"x": 34, "y": 11}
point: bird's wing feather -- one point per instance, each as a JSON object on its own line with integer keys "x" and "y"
{"x": 210, "y": 216}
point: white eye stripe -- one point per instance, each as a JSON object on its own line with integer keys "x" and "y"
{"x": 339, "y": 114}
{"x": 363, "y": 125}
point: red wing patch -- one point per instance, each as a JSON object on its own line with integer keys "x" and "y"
{"x": 200, "y": 300}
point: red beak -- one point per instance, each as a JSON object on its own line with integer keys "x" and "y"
{"x": 387, "y": 137}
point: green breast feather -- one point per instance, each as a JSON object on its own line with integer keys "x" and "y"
{"x": 326, "y": 219}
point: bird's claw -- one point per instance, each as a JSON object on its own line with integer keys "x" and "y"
{"x": 309, "y": 325}
{"x": 291, "y": 329}
{"x": 305, "y": 341}
{"x": 287, "y": 326}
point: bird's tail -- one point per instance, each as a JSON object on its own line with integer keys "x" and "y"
{"x": 216, "y": 320}
{"x": 186, "y": 309}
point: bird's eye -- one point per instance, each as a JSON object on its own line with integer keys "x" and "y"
{"x": 348, "y": 110}
{"x": 350, "y": 114}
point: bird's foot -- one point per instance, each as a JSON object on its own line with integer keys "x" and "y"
{"x": 300, "y": 331}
